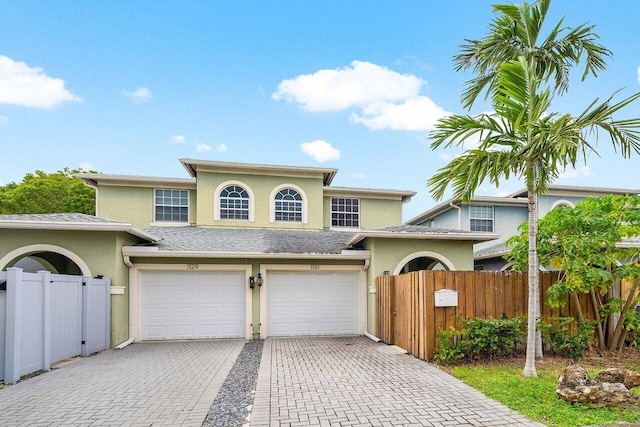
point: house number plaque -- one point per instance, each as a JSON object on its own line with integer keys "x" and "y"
{"x": 192, "y": 266}
{"x": 315, "y": 267}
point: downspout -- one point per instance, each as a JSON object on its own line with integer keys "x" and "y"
{"x": 459, "y": 214}
{"x": 128, "y": 263}
{"x": 366, "y": 333}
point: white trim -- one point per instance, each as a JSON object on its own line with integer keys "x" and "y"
{"x": 136, "y": 300}
{"x": 422, "y": 254}
{"x": 153, "y": 252}
{"x": 216, "y": 200}
{"x": 427, "y": 234}
{"x": 312, "y": 268}
{"x": 562, "y": 202}
{"x": 26, "y": 250}
{"x": 272, "y": 204}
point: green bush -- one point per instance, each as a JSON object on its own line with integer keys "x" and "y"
{"x": 479, "y": 339}
{"x": 557, "y": 335}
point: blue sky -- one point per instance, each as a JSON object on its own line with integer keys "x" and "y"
{"x": 130, "y": 87}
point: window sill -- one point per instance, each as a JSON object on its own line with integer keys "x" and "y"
{"x": 169, "y": 224}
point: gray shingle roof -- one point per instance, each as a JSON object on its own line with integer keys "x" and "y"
{"x": 59, "y": 217}
{"x": 492, "y": 251}
{"x": 250, "y": 240}
{"x": 421, "y": 229}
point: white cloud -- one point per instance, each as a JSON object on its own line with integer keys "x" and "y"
{"x": 178, "y": 139}
{"x": 30, "y": 87}
{"x": 202, "y": 148}
{"x": 444, "y": 156}
{"x": 141, "y": 94}
{"x": 362, "y": 83}
{"x": 418, "y": 113}
{"x": 3, "y": 120}
{"x": 221, "y": 148}
{"x": 86, "y": 166}
{"x": 638, "y": 74}
{"x": 321, "y": 151}
{"x": 357, "y": 175}
{"x": 576, "y": 173}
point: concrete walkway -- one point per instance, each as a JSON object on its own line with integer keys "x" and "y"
{"x": 348, "y": 381}
{"x": 145, "y": 384}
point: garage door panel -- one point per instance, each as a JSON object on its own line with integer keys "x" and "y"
{"x": 192, "y": 305}
{"x": 301, "y": 303}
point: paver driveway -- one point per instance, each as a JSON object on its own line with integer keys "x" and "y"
{"x": 353, "y": 381}
{"x": 153, "y": 383}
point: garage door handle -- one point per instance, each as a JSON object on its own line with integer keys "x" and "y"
{"x": 395, "y": 313}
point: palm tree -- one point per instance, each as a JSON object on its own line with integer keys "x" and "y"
{"x": 522, "y": 138}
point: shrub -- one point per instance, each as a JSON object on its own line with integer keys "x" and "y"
{"x": 558, "y": 336}
{"x": 479, "y": 339}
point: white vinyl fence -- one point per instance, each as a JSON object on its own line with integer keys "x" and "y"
{"x": 46, "y": 317}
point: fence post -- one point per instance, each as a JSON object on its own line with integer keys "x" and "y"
{"x": 13, "y": 326}
{"x": 46, "y": 319}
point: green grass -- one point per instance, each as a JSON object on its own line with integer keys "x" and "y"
{"x": 536, "y": 397}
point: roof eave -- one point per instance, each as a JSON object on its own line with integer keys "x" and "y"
{"x": 153, "y": 252}
{"x": 471, "y": 237}
{"x": 78, "y": 226}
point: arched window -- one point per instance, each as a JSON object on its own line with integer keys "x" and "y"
{"x": 288, "y": 205}
{"x": 234, "y": 203}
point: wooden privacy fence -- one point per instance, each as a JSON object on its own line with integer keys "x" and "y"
{"x": 408, "y": 317}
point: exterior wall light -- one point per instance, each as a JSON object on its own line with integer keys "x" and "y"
{"x": 253, "y": 281}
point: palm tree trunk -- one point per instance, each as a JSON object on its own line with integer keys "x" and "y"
{"x": 532, "y": 312}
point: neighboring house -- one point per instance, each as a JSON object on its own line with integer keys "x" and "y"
{"x": 237, "y": 250}
{"x": 502, "y": 216}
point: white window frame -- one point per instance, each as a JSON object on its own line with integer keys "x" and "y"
{"x": 492, "y": 219}
{"x": 155, "y": 205}
{"x": 272, "y": 204}
{"x": 338, "y": 212}
{"x": 216, "y": 207}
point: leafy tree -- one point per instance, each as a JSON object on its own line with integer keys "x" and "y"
{"x": 522, "y": 73}
{"x": 586, "y": 244}
{"x": 40, "y": 192}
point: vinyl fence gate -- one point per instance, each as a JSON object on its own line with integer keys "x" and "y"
{"x": 45, "y": 318}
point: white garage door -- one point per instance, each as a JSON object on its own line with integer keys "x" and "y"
{"x": 312, "y": 303}
{"x": 192, "y": 305}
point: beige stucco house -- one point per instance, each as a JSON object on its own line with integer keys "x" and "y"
{"x": 236, "y": 250}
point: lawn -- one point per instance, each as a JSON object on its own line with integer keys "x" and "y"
{"x": 536, "y": 397}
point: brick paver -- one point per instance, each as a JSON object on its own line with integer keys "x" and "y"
{"x": 349, "y": 381}
{"x": 145, "y": 384}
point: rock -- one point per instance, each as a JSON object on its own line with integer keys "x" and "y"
{"x": 630, "y": 379}
{"x": 574, "y": 385}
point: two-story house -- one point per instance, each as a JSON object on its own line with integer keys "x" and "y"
{"x": 237, "y": 250}
{"x": 502, "y": 216}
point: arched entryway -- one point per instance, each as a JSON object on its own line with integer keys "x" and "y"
{"x": 424, "y": 260}
{"x": 52, "y": 258}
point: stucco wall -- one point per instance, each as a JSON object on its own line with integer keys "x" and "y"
{"x": 261, "y": 186}
{"x": 386, "y": 254}
{"x": 101, "y": 251}
{"x": 374, "y": 213}
{"x": 133, "y": 204}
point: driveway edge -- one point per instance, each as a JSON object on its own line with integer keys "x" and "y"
{"x": 261, "y": 410}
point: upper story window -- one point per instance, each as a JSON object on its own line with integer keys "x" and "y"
{"x": 481, "y": 218}
{"x": 345, "y": 212}
{"x": 288, "y": 205}
{"x": 171, "y": 205}
{"x": 234, "y": 203}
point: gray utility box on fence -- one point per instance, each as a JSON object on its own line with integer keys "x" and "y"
{"x": 446, "y": 298}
